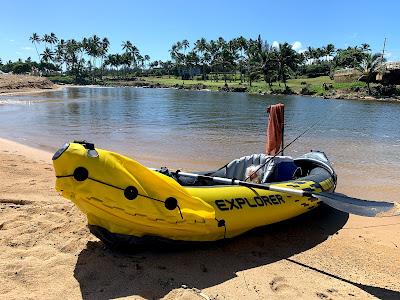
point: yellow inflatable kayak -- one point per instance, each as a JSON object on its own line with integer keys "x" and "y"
{"x": 126, "y": 202}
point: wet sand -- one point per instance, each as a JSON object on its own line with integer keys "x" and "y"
{"x": 47, "y": 252}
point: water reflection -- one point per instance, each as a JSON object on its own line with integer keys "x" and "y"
{"x": 195, "y": 128}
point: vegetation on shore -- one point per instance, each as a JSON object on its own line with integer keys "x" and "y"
{"x": 239, "y": 64}
{"x": 320, "y": 86}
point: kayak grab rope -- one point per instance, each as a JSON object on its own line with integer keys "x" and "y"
{"x": 130, "y": 192}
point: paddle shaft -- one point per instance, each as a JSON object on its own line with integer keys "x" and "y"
{"x": 233, "y": 181}
{"x": 341, "y": 202}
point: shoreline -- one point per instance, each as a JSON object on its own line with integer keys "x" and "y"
{"x": 47, "y": 251}
{"x": 44, "y": 85}
{"x": 339, "y": 94}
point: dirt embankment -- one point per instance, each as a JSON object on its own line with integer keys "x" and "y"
{"x": 24, "y": 83}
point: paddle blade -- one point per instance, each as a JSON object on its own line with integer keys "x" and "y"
{"x": 358, "y": 206}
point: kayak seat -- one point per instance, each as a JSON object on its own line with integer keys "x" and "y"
{"x": 280, "y": 168}
{"x": 237, "y": 168}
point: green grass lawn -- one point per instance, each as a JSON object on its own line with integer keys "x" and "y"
{"x": 314, "y": 84}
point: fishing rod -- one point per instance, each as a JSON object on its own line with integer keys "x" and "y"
{"x": 338, "y": 201}
{"x": 294, "y": 140}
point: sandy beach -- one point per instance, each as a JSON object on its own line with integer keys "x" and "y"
{"x": 47, "y": 252}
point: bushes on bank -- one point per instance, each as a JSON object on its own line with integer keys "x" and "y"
{"x": 307, "y": 90}
{"x": 386, "y": 91}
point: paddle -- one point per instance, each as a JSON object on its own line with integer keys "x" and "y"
{"x": 341, "y": 202}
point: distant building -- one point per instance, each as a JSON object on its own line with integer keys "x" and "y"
{"x": 346, "y": 75}
{"x": 390, "y": 74}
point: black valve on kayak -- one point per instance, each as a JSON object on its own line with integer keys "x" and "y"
{"x": 91, "y": 151}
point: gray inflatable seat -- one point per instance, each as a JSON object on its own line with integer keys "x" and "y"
{"x": 237, "y": 168}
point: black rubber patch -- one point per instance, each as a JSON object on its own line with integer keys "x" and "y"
{"x": 171, "y": 203}
{"x": 130, "y": 192}
{"x": 81, "y": 174}
{"x": 316, "y": 185}
{"x": 60, "y": 151}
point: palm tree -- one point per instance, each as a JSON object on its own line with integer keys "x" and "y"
{"x": 126, "y": 59}
{"x": 365, "y": 47}
{"x": 287, "y": 60}
{"x": 192, "y": 61}
{"x": 132, "y": 50}
{"x": 241, "y": 43}
{"x": 309, "y": 54}
{"x": 111, "y": 60}
{"x": 370, "y": 65}
{"x": 35, "y": 39}
{"x": 177, "y": 56}
{"x": 185, "y": 45}
{"x": 47, "y": 55}
{"x": 330, "y": 50}
{"x": 250, "y": 53}
{"x": 146, "y": 59}
{"x": 105, "y": 43}
{"x": 269, "y": 63}
{"x": 201, "y": 47}
{"x": 117, "y": 61}
{"x": 127, "y": 46}
{"x": 53, "y": 40}
{"x": 214, "y": 52}
{"x": 74, "y": 63}
{"x": 167, "y": 66}
{"x": 60, "y": 53}
{"x": 135, "y": 54}
{"x": 47, "y": 39}
{"x": 92, "y": 47}
{"x": 140, "y": 59}
{"x": 318, "y": 53}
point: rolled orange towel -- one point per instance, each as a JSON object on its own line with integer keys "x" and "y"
{"x": 275, "y": 128}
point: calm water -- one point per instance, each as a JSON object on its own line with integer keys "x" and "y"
{"x": 200, "y": 129}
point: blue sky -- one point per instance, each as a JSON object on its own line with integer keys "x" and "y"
{"x": 153, "y": 26}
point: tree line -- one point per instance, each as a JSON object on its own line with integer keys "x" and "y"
{"x": 241, "y": 59}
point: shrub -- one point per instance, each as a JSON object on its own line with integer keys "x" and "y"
{"x": 21, "y": 68}
{"x": 386, "y": 90}
{"x": 316, "y": 70}
{"x": 283, "y": 91}
{"x": 306, "y": 90}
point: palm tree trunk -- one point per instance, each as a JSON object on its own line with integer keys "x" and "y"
{"x": 37, "y": 51}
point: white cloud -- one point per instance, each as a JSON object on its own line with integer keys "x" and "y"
{"x": 27, "y": 48}
{"x": 296, "y": 46}
{"x": 275, "y": 44}
{"x": 12, "y": 41}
